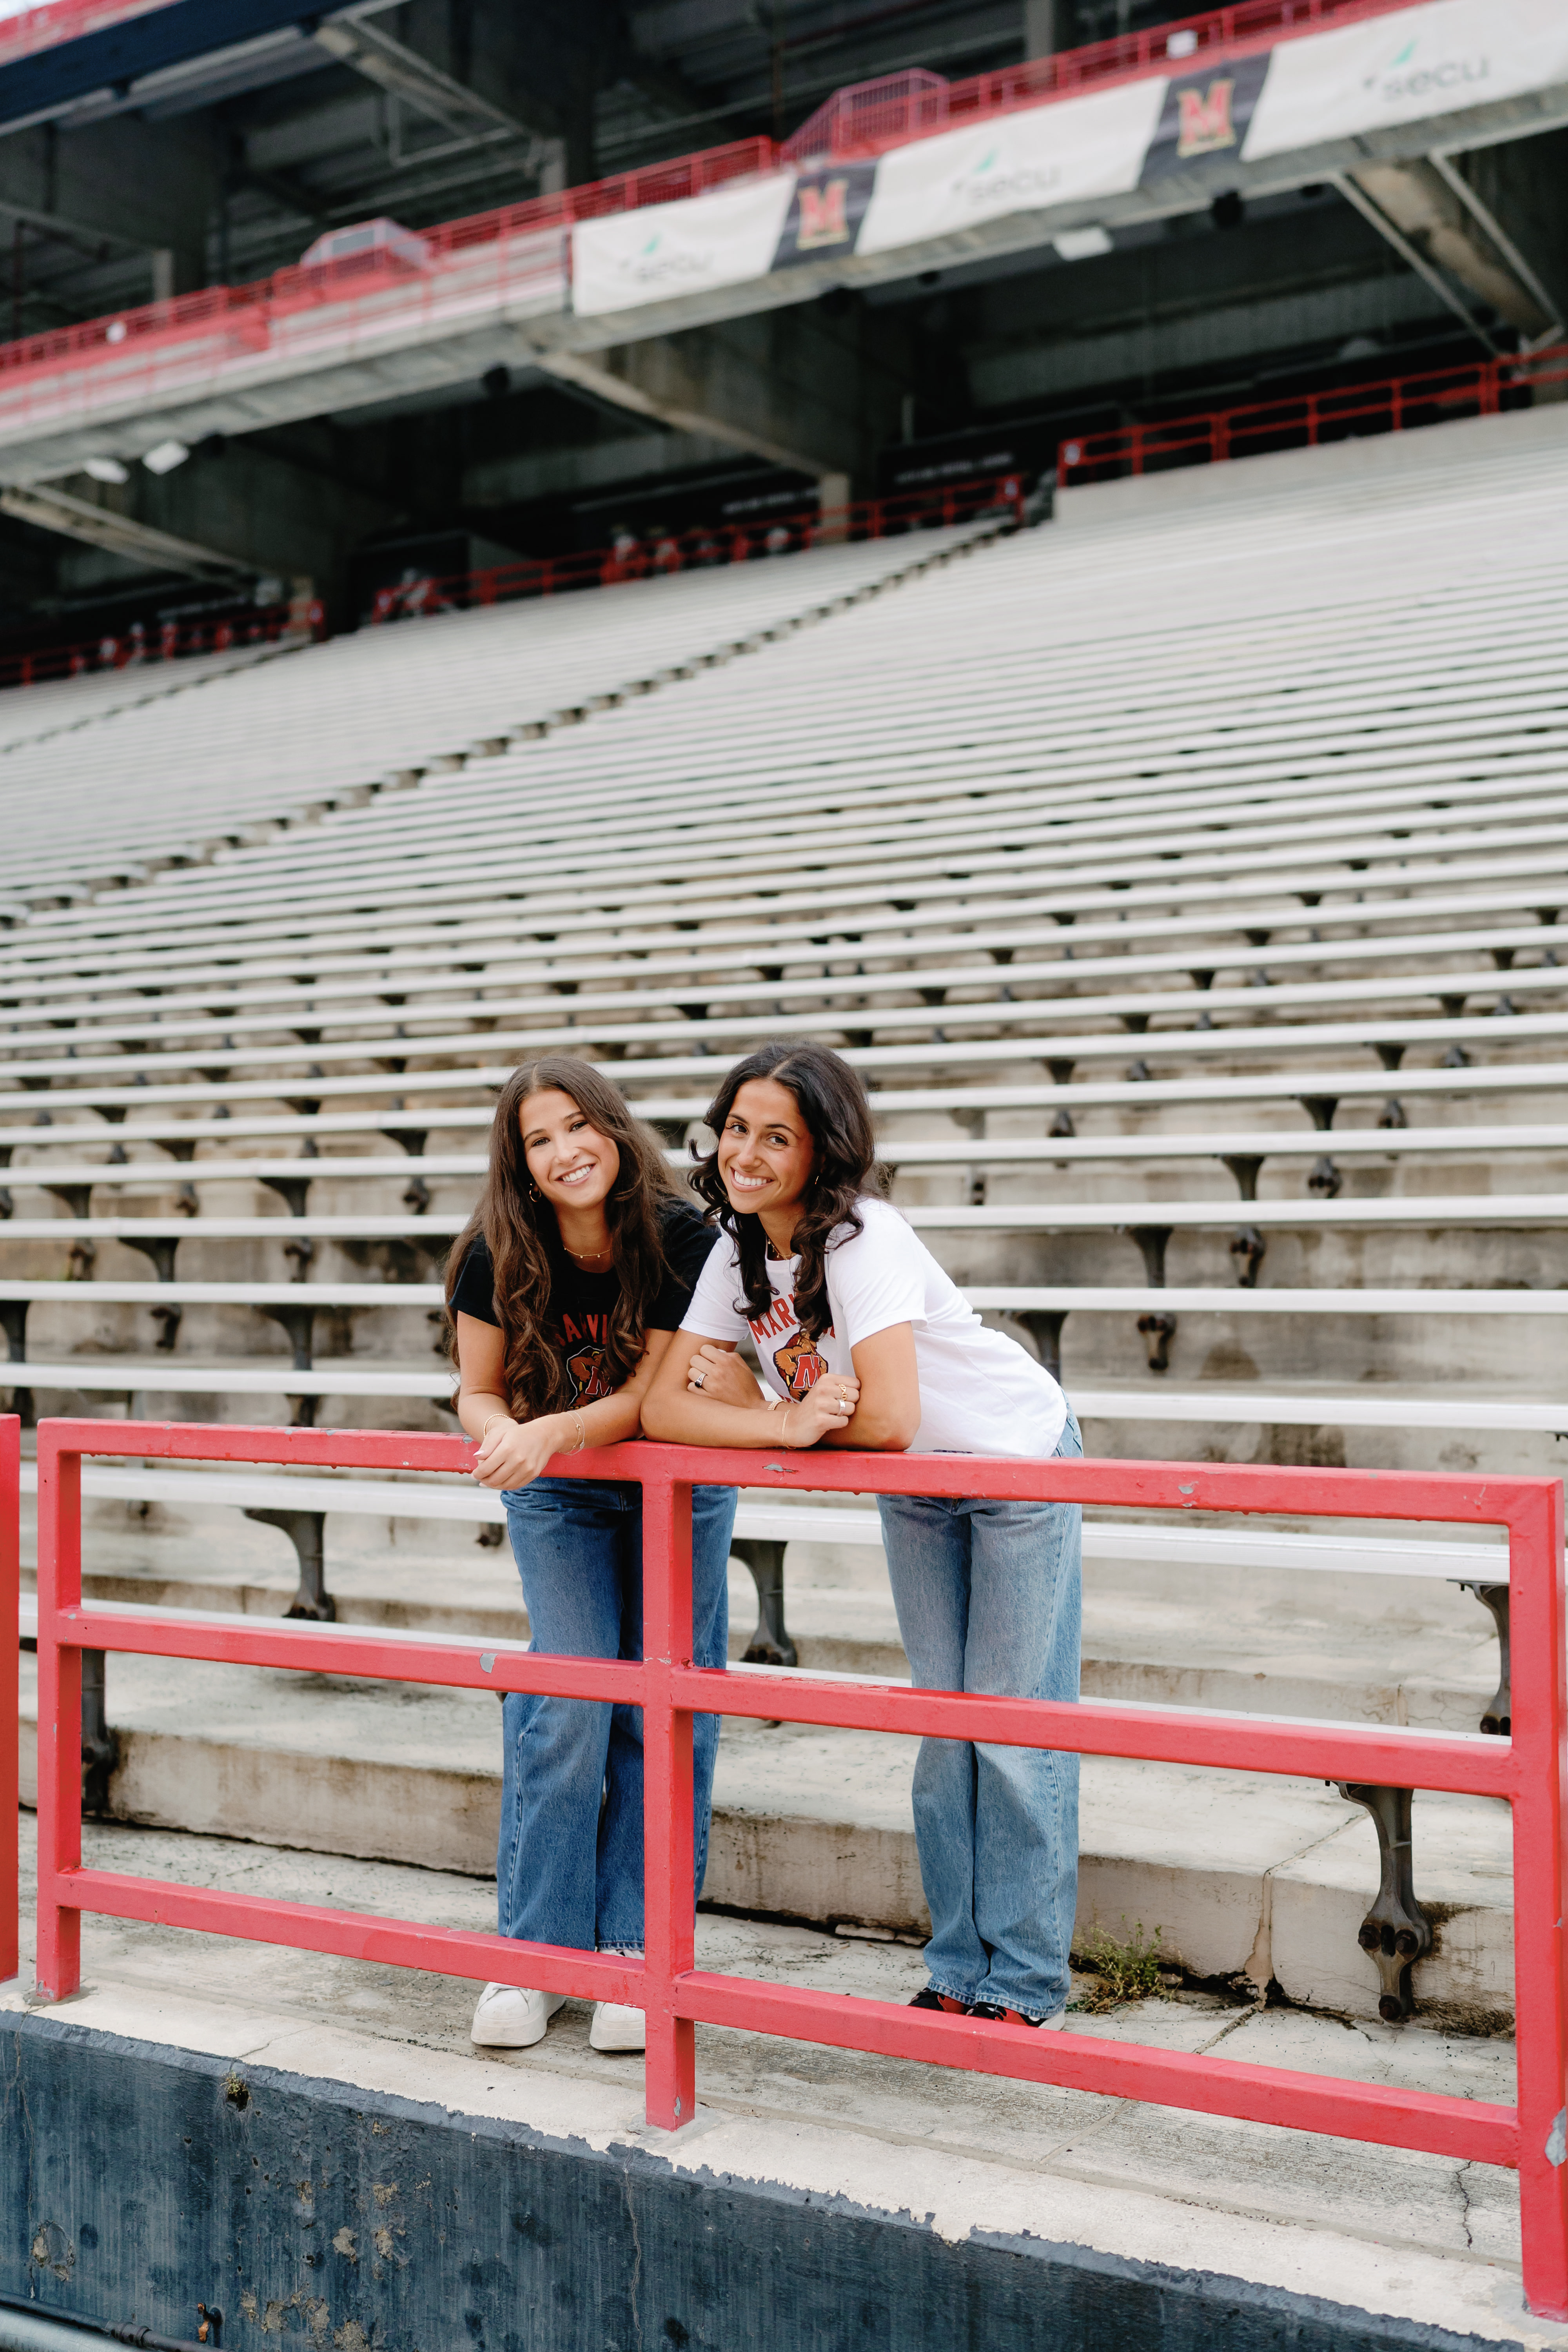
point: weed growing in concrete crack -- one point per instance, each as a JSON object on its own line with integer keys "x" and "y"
{"x": 1123, "y": 1972}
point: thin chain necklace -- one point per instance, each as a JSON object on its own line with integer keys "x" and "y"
{"x": 588, "y": 1257}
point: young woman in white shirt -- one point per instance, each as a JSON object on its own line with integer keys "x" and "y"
{"x": 864, "y": 1341}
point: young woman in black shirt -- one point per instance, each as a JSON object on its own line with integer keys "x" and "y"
{"x": 564, "y": 1290}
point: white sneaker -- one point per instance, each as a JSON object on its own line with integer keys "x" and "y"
{"x": 617, "y": 2028}
{"x": 508, "y": 2017}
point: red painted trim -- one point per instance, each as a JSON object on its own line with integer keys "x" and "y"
{"x": 1391, "y": 405}
{"x": 1528, "y": 1771}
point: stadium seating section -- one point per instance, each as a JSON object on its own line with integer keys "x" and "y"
{"x": 1190, "y": 884}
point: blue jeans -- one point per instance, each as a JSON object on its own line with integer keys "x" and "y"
{"x": 989, "y": 1597}
{"x": 569, "y": 1862}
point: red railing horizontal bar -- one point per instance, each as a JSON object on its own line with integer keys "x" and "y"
{"x": 1188, "y": 1486}
{"x": 356, "y": 1934}
{"x": 1390, "y": 2116}
{"x": 1397, "y": 1758}
{"x": 318, "y": 1649}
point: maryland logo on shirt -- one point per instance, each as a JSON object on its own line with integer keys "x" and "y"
{"x": 799, "y": 1367}
{"x": 586, "y": 1368}
{"x": 797, "y": 1363}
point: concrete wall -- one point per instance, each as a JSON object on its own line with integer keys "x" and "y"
{"x": 137, "y": 2180}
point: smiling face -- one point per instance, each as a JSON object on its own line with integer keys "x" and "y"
{"x": 572, "y": 1164}
{"x": 765, "y": 1153}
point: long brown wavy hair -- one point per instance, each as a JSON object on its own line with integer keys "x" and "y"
{"x": 838, "y": 1118}
{"x": 518, "y": 1225}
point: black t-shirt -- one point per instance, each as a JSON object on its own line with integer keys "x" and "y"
{"x": 581, "y": 1303}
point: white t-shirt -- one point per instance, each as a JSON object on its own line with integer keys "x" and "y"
{"x": 981, "y": 1392}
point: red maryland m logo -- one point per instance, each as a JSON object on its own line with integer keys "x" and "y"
{"x": 1203, "y": 118}
{"x": 823, "y": 216}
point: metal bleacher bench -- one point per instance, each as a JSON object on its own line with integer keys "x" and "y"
{"x": 1318, "y": 1092}
{"x": 1001, "y": 977}
{"x": 333, "y": 983}
{"x": 1244, "y": 1151}
{"x": 1059, "y": 1051}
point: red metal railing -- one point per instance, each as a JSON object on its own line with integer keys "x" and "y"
{"x": 872, "y": 116}
{"x": 1527, "y": 1771}
{"x": 170, "y": 642}
{"x": 1396, "y": 405}
{"x": 740, "y": 540}
{"x": 862, "y": 120}
{"x": 245, "y": 314}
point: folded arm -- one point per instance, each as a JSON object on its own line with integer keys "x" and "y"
{"x": 513, "y": 1452}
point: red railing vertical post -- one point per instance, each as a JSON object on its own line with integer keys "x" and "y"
{"x": 59, "y": 1964}
{"x": 1541, "y": 1987}
{"x": 669, "y": 1905}
{"x": 10, "y": 1714}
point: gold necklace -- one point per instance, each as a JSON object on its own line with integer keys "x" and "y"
{"x": 591, "y": 1255}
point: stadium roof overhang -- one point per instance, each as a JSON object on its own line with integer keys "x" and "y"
{"x": 1097, "y": 165}
{"x": 80, "y": 61}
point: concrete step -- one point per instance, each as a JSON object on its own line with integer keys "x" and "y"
{"x": 1245, "y": 1876}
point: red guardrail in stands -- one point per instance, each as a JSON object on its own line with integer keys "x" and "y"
{"x": 1399, "y": 403}
{"x": 169, "y": 642}
{"x": 871, "y": 116}
{"x": 10, "y": 1628}
{"x": 244, "y": 313}
{"x": 1526, "y": 1770}
{"x": 703, "y": 548}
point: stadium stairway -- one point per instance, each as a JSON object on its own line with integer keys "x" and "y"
{"x": 1192, "y": 917}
